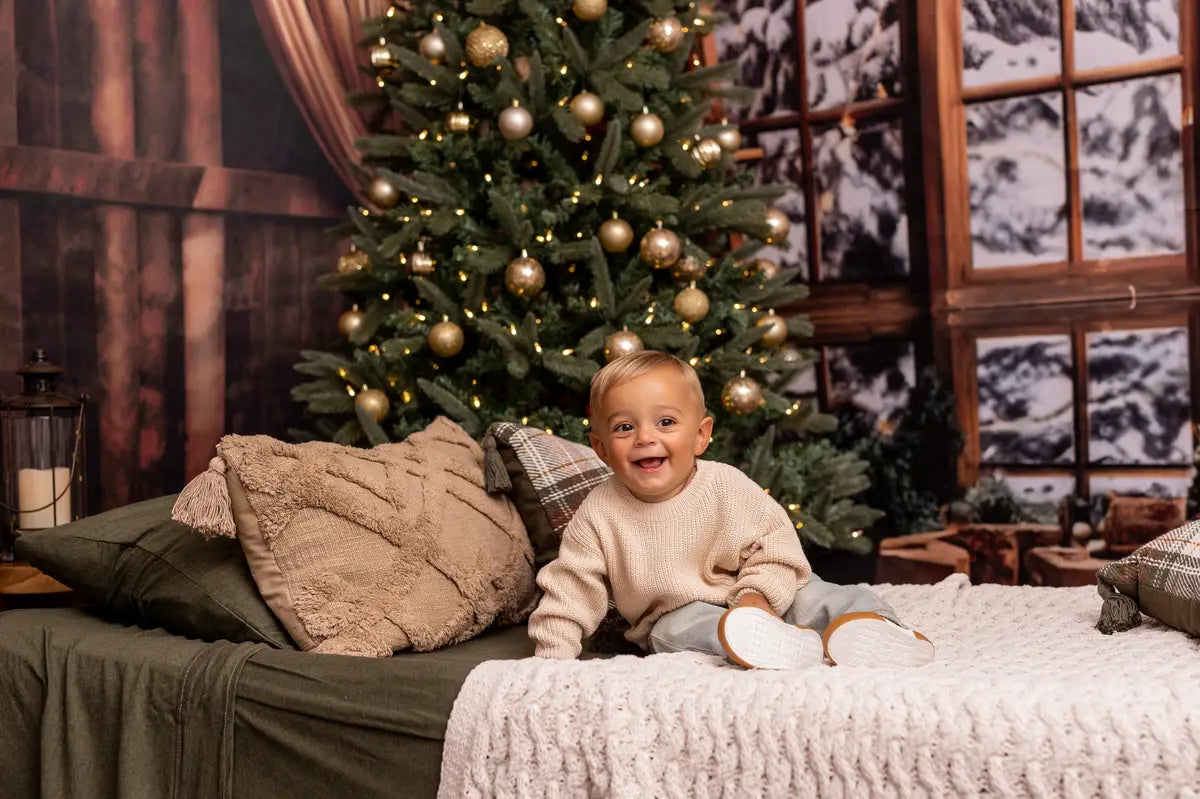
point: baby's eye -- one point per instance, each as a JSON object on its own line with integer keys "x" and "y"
{"x": 624, "y": 427}
{"x": 666, "y": 422}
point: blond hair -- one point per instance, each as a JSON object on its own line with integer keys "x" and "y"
{"x": 631, "y": 367}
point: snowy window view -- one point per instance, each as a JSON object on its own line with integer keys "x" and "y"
{"x": 1140, "y": 485}
{"x": 876, "y": 378}
{"x": 1026, "y": 400}
{"x": 782, "y": 163}
{"x": 1038, "y": 489}
{"x": 1111, "y": 32}
{"x": 853, "y": 50}
{"x": 761, "y": 37}
{"x": 1006, "y": 40}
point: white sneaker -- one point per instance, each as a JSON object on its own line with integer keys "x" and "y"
{"x": 756, "y": 639}
{"x": 868, "y": 639}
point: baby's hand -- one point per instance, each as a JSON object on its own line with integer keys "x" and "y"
{"x": 750, "y": 599}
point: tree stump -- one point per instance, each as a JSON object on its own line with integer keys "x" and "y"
{"x": 1062, "y": 567}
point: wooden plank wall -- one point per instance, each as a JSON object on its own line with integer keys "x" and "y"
{"x": 172, "y": 285}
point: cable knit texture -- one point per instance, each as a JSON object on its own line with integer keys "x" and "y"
{"x": 717, "y": 539}
{"x": 1025, "y": 698}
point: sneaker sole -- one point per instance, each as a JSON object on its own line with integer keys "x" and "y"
{"x": 868, "y": 639}
{"x": 755, "y": 639}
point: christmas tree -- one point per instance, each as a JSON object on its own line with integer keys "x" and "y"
{"x": 549, "y": 190}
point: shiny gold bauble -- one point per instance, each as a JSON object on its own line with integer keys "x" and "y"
{"x": 381, "y": 58}
{"x": 660, "y": 248}
{"x": 523, "y": 66}
{"x": 351, "y": 321}
{"x": 707, "y": 153}
{"x": 421, "y": 263}
{"x": 742, "y": 395}
{"x": 774, "y": 328}
{"x": 665, "y": 34}
{"x": 615, "y": 235}
{"x": 691, "y": 304}
{"x": 485, "y": 44}
{"x": 445, "y": 339}
{"x": 432, "y": 48}
{"x": 515, "y": 122}
{"x": 688, "y": 268}
{"x": 590, "y": 10}
{"x": 766, "y": 269}
{"x": 779, "y": 225}
{"x": 730, "y": 139}
{"x": 620, "y": 344}
{"x": 646, "y": 129}
{"x": 458, "y": 122}
{"x": 382, "y": 193}
{"x": 524, "y": 276}
{"x": 353, "y": 261}
{"x": 588, "y": 108}
{"x": 790, "y": 354}
{"x": 373, "y": 402}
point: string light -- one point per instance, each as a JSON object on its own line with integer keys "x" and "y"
{"x": 594, "y": 303}
{"x": 476, "y": 402}
{"x": 406, "y": 395}
{"x": 385, "y": 296}
{"x": 537, "y": 348}
{"x": 568, "y": 351}
{"x": 350, "y": 390}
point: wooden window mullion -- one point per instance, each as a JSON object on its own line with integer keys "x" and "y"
{"x": 1071, "y": 138}
{"x": 1080, "y": 398}
{"x": 809, "y": 173}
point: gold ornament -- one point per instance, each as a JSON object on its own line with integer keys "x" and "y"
{"x": 615, "y": 235}
{"x": 730, "y": 139}
{"x": 421, "y": 262}
{"x": 351, "y": 321}
{"x": 790, "y": 354}
{"x": 588, "y": 108}
{"x": 382, "y": 193}
{"x": 665, "y": 34}
{"x": 590, "y": 10}
{"x": 445, "y": 339}
{"x": 779, "y": 225}
{"x": 485, "y": 44}
{"x": 691, "y": 304}
{"x": 766, "y": 269}
{"x": 646, "y": 129}
{"x": 707, "y": 153}
{"x": 458, "y": 121}
{"x": 515, "y": 122}
{"x": 432, "y": 48}
{"x": 381, "y": 58}
{"x": 523, "y": 66}
{"x": 689, "y": 268}
{"x": 742, "y": 395}
{"x": 524, "y": 276}
{"x": 620, "y": 344}
{"x": 353, "y": 261}
{"x": 660, "y": 248}
{"x": 774, "y": 329}
{"x": 373, "y": 402}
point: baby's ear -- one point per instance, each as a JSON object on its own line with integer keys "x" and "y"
{"x": 704, "y": 435}
{"x": 598, "y": 446}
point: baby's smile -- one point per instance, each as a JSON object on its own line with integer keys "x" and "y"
{"x": 649, "y": 464}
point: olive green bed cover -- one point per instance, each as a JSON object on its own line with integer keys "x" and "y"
{"x": 91, "y": 709}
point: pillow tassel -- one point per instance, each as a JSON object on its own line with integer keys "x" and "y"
{"x": 495, "y": 474}
{"x": 204, "y": 503}
{"x": 1119, "y": 613}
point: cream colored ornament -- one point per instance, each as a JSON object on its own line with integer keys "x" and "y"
{"x": 766, "y": 269}
{"x": 458, "y": 121}
{"x": 660, "y": 248}
{"x": 742, "y": 395}
{"x": 445, "y": 339}
{"x": 515, "y": 122}
{"x": 588, "y": 108}
{"x": 774, "y": 328}
{"x": 665, "y": 34}
{"x": 432, "y": 48}
{"x": 590, "y": 10}
{"x": 615, "y": 234}
{"x": 524, "y": 276}
{"x": 421, "y": 262}
{"x": 778, "y": 224}
{"x": 691, "y": 304}
{"x": 689, "y": 268}
{"x": 485, "y": 44}
{"x": 381, "y": 58}
{"x": 790, "y": 354}
{"x": 707, "y": 153}
{"x": 382, "y": 193}
{"x": 730, "y": 138}
{"x": 620, "y": 344}
{"x": 351, "y": 321}
{"x": 373, "y": 402}
{"x": 353, "y": 261}
{"x": 646, "y": 129}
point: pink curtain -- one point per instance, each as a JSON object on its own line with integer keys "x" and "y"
{"x": 315, "y": 45}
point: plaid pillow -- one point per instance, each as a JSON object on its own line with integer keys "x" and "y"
{"x": 548, "y": 477}
{"x": 1160, "y": 579}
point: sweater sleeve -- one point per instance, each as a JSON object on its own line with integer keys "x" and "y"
{"x": 774, "y": 563}
{"x": 575, "y": 594}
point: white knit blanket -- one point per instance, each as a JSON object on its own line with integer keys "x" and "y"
{"x": 1025, "y": 698}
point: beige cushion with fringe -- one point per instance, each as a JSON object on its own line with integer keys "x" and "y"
{"x": 369, "y": 551}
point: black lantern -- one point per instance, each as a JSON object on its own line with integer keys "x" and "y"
{"x": 42, "y": 454}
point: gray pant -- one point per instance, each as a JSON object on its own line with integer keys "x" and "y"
{"x": 693, "y": 627}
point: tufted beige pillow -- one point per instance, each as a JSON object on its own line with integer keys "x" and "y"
{"x": 369, "y": 551}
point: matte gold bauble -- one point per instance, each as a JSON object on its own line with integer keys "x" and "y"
{"x": 590, "y": 10}
{"x": 458, "y": 121}
{"x": 432, "y": 48}
{"x": 524, "y": 276}
{"x": 382, "y": 193}
{"x": 515, "y": 122}
{"x": 485, "y": 44}
{"x": 373, "y": 402}
{"x": 691, "y": 304}
{"x": 665, "y": 34}
{"x": 588, "y": 108}
{"x": 620, "y": 344}
{"x": 381, "y": 58}
{"x": 421, "y": 263}
{"x": 445, "y": 339}
{"x": 730, "y": 139}
{"x": 766, "y": 269}
{"x": 523, "y": 66}
{"x": 707, "y": 153}
{"x": 353, "y": 261}
{"x": 774, "y": 328}
{"x": 615, "y": 235}
{"x": 688, "y": 268}
{"x": 351, "y": 321}
{"x": 779, "y": 225}
{"x": 660, "y": 248}
{"x": 646, "y": 129}
{"x": 742, "y": 395}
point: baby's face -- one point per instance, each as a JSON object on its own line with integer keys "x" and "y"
{"x": 649, "y": 432}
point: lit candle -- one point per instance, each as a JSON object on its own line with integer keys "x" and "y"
{"x": 38, "y": 488}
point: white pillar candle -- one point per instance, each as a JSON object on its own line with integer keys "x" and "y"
{"x": 37, "y": 488}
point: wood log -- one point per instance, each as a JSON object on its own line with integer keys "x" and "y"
{"x": 1062, "y": 567}
{"x": 1133, "y": 521}
{"x": 924, "y": 558}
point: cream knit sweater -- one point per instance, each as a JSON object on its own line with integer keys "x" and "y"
{"x": 719, "y": 538}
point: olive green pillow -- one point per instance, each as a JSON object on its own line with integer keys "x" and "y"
{"x": 138, "y": 566}
{"x": 1161, "y": 579}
